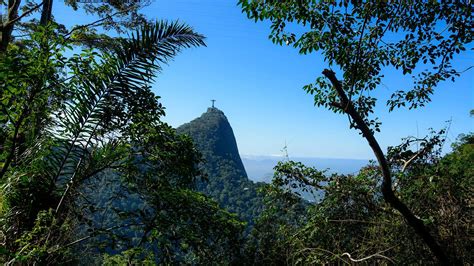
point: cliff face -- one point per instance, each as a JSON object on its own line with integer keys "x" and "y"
{"x": 214, "y": 137}
{"x": 228, "y": 183}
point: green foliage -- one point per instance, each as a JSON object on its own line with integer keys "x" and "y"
{"x": 90, "y": 174}
{"x": 87, "y": 162}
{"x": 219, "y": 229}
{"x": 362, "y": 39}
{"x": 353, "y": 222}
{"x": 171, "y": 225}
{"x": 129, "y": 257}
{"x": 269, "y": 241}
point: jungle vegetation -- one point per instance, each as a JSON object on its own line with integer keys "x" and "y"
{"x": 90, "y": 173}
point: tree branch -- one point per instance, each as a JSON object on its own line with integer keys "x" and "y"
{"x": 308, "y": 182}
{"x": 368, "y": 257}
{"x": 357, "y": 221}
{"x": 414, "y": 157}
{"x": 387, "y": 191}
{"x": 13, "y": 146}
{"x": 26, "y": 13}
{"x": 95, "y": 23}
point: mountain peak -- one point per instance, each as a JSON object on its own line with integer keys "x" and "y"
{"x": 214, "y": 110}
{"x": 227, "y": 180}
{"x": 214, "y": 138}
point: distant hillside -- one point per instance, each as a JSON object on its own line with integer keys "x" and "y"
{"x": 228, "y": 181}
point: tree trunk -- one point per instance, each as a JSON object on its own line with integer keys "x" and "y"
{"x": 6, "y": 27}
{"x": 387, "y": 191}
{"x": 46, "y": 12}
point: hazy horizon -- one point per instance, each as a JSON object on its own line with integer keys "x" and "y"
{"x": 260, "y": 167}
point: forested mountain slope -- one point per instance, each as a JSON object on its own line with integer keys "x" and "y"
{"x": 227, "y": 179}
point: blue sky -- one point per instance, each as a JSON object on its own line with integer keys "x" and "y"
{"x": 259, "y": 87}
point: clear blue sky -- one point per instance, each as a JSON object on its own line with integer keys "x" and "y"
{"x": 259, "y": 87}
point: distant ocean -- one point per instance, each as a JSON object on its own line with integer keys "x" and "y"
{"x": 260, "y": 168}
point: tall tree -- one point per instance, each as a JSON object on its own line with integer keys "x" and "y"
{"x": 360, "y": 40}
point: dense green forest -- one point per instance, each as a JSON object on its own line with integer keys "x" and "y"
{"x": 90, "y": 174}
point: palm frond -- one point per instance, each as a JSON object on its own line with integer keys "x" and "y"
{"x": 130, "y": 68}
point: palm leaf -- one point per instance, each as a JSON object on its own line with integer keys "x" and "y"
{"x": 133, "y": 65}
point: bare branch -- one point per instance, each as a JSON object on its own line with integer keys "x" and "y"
{"x": 357, "y": 221}
{"x": 417, "y": 155}
{"x": 320, "y": 249}
{"x": 376, "y": 255}
{"x": 460, "y": 72}
{"x": 97, "y": 22}
{"x": 26, "y": 13}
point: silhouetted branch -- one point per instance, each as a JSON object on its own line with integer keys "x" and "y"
{"x": 26, "y": 13}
